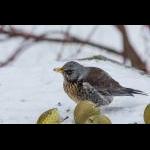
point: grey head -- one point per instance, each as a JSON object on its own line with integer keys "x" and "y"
{"x": 71, "y": 71}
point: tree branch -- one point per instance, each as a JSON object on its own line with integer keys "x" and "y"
{"x": 67, "y": 33}
{"x": 129, "y": 52}
{"x": 44, "y": 38}
{"x": 87, "y": 39}
{"x": 103, "y": 58}
{"x": 15, "y": 54}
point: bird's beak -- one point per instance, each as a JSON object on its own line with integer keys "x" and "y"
{"x": 60, "y": 70}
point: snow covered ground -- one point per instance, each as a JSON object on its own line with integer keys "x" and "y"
{"x": 27, "y": 92}
{"x": 29, "y": 86}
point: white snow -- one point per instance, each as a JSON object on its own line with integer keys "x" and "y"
{"x": 29, "y": 86}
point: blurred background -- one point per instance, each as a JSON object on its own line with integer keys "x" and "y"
{"x": 31, "y": 45}
{"x": 28, "y": 54}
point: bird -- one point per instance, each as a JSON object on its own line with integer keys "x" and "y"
{"x": 91, "y": 84}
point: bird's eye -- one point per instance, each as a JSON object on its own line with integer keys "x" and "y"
{"x": 69, "y": 72}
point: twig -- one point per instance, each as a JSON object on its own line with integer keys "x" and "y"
{"x": 43, "y": 38}
{"x": 103, "y": 58}
{"x": 129, "y": 52}
{"x": 100, "y": 57}
{"x": 12, "y": 32}
{"x": 87, "y": 39}
{"x": 17, "y": 52}
{"x": 59, "y": 56}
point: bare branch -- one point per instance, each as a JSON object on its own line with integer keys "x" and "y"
{"x": 69, "y": 40}
{"x": 67, "y": 33}
{"x": 129, "y": 52}
{"x": 87, "y": 39}
{"x": 12, "y": 32}
{"x": 103, "y": 58}
{"x": 16, "y": 53}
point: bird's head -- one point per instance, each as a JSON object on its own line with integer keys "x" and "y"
{"x": 71, "y": 71}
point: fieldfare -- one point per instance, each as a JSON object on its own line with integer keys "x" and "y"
{"x": 92, "y": 84}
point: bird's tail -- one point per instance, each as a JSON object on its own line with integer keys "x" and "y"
{"x": 128, "y": 92}
{"x": 133, "y": 91}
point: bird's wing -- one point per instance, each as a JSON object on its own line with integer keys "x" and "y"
{"x": 101, "y": 81}
{"x": 98, "y": 98}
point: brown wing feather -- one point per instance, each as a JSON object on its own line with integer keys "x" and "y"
{"x": 101, "y": 80}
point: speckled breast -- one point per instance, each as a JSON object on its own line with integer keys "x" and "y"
{"x": 72, "y": 90}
